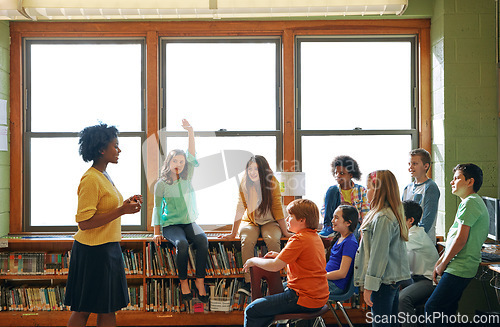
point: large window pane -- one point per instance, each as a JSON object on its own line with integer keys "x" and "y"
{"x": 78, "y": 85}
{"x": 371, "y": 152}
{"x": 53, "y": 193}
{"x": 217, "y": 202}
{"x": 347, "y": 85}
{"x": 217, "y": 86}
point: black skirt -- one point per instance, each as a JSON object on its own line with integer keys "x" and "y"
{"x": 96, "y": 280}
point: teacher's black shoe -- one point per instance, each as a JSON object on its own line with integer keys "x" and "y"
{"x": 187, "y": 297}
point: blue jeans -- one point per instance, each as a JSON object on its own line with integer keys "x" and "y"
{"x": 445, "y": 298}
{"x": 385, "y": 305}
{"x": 334, "y": 289}
{"x": 262, "y": 311}
{"x": 180, "y": 236}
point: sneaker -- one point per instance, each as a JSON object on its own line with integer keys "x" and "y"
{"x": 245, "y": 289}
{"x": 327, "y": 231}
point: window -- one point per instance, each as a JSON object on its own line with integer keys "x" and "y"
{"x": 228, "y": 89}
{"x": 356, "y": 98}
{"x": 297, "y": 92}
{"x": 71, "y": 84}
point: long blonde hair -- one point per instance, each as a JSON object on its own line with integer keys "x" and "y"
{"x": 386, "y": 195}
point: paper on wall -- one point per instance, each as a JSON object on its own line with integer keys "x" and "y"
{"x": 3, "y": 112}
{"x": 4, "y": 146}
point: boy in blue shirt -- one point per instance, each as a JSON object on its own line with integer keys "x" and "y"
{"x": 423, "y": 190}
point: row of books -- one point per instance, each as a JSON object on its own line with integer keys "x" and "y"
{"x": 34, "y": 263}
{"x": 164, "y": 295}
{"x": 25, "y": 298}
{"x": 43, "y": 263}
{"x": 221, "y": 261}
{"x": 32, "y": 298}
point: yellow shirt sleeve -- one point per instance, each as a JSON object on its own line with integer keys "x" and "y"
{"x": 88, "y": 197}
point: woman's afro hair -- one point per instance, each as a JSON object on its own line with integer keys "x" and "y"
{"x": 94, "y": 139}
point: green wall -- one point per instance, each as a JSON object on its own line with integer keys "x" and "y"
{"x": 4, "y": 155}
{"x": 464, "y": 92}
{"x": 464, "y": 111}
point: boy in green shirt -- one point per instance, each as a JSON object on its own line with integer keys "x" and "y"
{"x": 459, "y": 263}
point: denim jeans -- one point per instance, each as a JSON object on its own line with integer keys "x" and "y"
{"x": 262, "y": 311}
{"x": 445, "y": 298}
{"x": 180, "y": 236}
{"x": 334, "y": 289}
{"x": 385, "y": 305}
{"x": 413, "y": 296}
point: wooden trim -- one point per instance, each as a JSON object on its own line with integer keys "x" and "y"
{"x": 188, "y": 27}
{"x": 288, "y": 104}
{"x": 425, "y": 112}
{"x": 152, "y": 114}
{"x": 16, "y": 134}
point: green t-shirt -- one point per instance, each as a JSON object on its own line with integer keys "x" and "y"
{"x": 471, "y": 212}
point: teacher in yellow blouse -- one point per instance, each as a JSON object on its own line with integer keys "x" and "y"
{"x": 96, "y": 280}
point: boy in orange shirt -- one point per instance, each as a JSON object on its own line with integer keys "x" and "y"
{"x": 304, "y": 258}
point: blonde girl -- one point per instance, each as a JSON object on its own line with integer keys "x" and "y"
{"x": 382, "y": 261}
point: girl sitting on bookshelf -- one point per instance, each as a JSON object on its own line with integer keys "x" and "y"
{"x": 96, "y": 280}
{"x": 175, "y": 212}
{"x": 304, "y": 259}
{"x": 260, "y": 209}
{"x": 340, "y": 266}
{"x": 382, "y": 262}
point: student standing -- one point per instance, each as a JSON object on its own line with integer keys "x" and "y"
{"x": 304, "y": 258}
{"x": 423, "y": 190}
{"x": 260, "y": 209}
{"x": 382, "y": 262}
{"x": 175, "y": 212}
{"x": 422, "y": 256}
{"x": 96, "y": 280}
{"x": 344, "y": 169}
{"x": 458, "y": 264}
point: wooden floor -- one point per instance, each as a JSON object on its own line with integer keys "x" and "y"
{"x": 13, "y": 318}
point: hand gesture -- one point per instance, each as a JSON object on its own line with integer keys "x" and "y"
{"x": 130, "y": 206}
{"x": 249, "y": 263}
{"x": 157, "y": 239}
{"x": 186, "y": 125}
{"x": 367, "y": 296}
{"x": 228, "y": 236}
{"x": 271, "y": 255}
{"x": 136, "y": 199}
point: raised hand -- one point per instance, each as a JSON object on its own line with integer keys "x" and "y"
{"x": 186, "y": 125}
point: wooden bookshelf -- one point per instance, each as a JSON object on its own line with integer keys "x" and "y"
{"x": 125, "y": 317}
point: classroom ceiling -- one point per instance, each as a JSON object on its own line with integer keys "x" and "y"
{"x": 44, "y": 10}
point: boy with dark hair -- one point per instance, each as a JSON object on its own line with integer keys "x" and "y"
{"x": 462, "y": 256}
{"x": 422, "y": 257}
{"x": 423, "y": 190}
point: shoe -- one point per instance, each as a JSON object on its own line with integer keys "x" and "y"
{"x": 326, "y": 232}
{"x": 245, "y": 289}
{"x": 187, "y": 297}
{"x": 202, "y": 298}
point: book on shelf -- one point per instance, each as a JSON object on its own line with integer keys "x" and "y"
{"x": 24, "y": 298}
{"x": 48, "y": 263}
{"x": 221, "y": 261}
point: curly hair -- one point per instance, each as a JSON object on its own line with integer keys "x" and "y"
{"x": 349, "y": 163}
{"x": 94, "y": 139}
